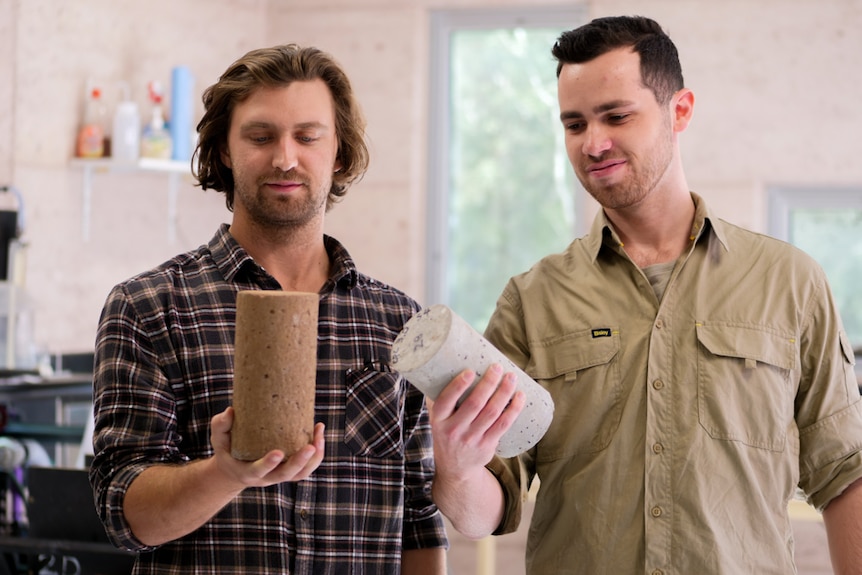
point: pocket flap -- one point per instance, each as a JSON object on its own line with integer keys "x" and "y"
{"x": 573, "y": 352}
{"x": 748, "y": 342}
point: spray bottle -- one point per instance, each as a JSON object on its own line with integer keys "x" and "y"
{"x": 156, "y": 139}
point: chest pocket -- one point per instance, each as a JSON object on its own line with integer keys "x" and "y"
{"x": 582, "y": 375}
{"x": 744, "y": 383}
{"x": 374, "y": 413}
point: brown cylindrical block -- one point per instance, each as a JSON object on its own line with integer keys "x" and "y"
{"x": 275, "y": 367}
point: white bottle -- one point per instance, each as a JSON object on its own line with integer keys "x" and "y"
{"x": 126, "y": 137}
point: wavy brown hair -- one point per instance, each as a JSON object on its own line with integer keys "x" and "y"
{"x": 278, "y": 66}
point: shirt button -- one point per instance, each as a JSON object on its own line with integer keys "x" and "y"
{"x": 658, "y": 384}
{"x": 656, "y": 511}
{"x": 659, "y": 324}
{"x": 657, "y": 448}
{"x": 303, "y": 514}
{"x": 657, "y": 572}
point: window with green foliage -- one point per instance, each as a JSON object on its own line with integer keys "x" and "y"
{"x": 503, "y": 192}
{"x": 827, "y": 224}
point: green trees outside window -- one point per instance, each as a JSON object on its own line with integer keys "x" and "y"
{"x": 511, "y": 193}
{"x": 833, "y": 236}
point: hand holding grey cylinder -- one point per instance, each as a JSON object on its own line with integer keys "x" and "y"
{"x": 275, "y": 369}
{"x": 436, "y": 344}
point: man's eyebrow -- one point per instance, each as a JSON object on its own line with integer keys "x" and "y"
{"x": 253, "y": 125}
{"x": 601, "y": 108}
{"x": 612, "y": 105}
{"x": 314, "y": 125}
{"x": 257, "y": 124}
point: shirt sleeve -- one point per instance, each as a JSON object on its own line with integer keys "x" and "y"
{"x": 423, "y": 522}
{"x": 829, "y": 410}
{"x": 507, "y": 333}
{"x": 135, "y": 414}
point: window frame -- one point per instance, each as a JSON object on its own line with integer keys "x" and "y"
{"x": 784, "y": 199}
{"x": 443, "y": 24}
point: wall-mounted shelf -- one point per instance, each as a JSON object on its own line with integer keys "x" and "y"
{"x": 173, "y": 168}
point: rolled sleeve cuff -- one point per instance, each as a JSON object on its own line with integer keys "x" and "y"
{"x": 831, "y": 455}
{"x": 425, "y": 533}
{"x": 508, "y": 473}
{"x": 117, "y": 528}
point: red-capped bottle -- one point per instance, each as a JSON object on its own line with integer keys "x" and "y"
{"x": 91, "y": 136}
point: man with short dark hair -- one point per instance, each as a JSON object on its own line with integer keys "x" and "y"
{"x": 700, "y": 372}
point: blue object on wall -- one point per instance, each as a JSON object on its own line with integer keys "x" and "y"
{"x": 182, "y": 87}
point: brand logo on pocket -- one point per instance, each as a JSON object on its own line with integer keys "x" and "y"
{"x": 602, "y": 332}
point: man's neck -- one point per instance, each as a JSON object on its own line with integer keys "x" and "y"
{"x": 296, "y": 258}
{"x": 657, "y": 231}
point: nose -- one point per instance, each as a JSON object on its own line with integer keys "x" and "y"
{"x": 596, "y": 141}
{"x": 285, "y": 155}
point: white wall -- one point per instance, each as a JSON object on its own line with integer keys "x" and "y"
{"x": 777, "y": 84}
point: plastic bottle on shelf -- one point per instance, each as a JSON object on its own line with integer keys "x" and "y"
{"x": 91, "y": 136}
{"x": 156, "y": 139}
{"x": 126, "y": 130}
{"x": 182, "y": 104}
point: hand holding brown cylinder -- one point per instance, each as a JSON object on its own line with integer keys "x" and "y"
{"x": 275, "y": 368}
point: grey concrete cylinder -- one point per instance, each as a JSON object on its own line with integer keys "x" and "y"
{"x": 275, "y": 369}
{"x": 436, "y": 344}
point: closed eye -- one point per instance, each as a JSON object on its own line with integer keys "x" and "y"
{"x": 574, "y": 126}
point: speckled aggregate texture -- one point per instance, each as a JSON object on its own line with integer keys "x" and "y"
{"x": 275, "y": 370}
{"x": 436, "y": 345}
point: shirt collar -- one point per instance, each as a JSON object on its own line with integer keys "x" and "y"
{"x": 343, "y": 270}
{"x": 227, "y": 254}
{"x": 231, "y": 258}
{"x": 704, "y": 220}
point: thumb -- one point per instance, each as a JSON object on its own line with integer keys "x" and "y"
{"x": 223, "y": 422}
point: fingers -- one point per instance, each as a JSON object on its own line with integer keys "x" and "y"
{"x": 274, "y": 468}
{"x": 222, "y": 422}
{"x": 484, "y": 403}
{"x": 447, "y": 401}
{"x": 318, "y": 440}
{"x": 484, "y": 414}
{"x": 490, "y": 396}
{"x": 489, "y": 409}
{"x": 220, "y": 430}
{"x": 509, "y": 413}
{"x": 316, "y": 457}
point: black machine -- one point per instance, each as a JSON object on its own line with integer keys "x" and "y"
{"x": 64, "y": 534}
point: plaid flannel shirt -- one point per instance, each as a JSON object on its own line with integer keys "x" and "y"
{"x": 164, "y": 368}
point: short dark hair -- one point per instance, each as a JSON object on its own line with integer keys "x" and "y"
{"x": 274, "y": 67}
{"x": 661, "y": 71}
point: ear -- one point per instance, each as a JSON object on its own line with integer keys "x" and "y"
{"x": 682, "y": 107}
{"x": 225, "y": 157}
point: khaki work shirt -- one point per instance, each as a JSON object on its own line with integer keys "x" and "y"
{"x": 682, "y": 428}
